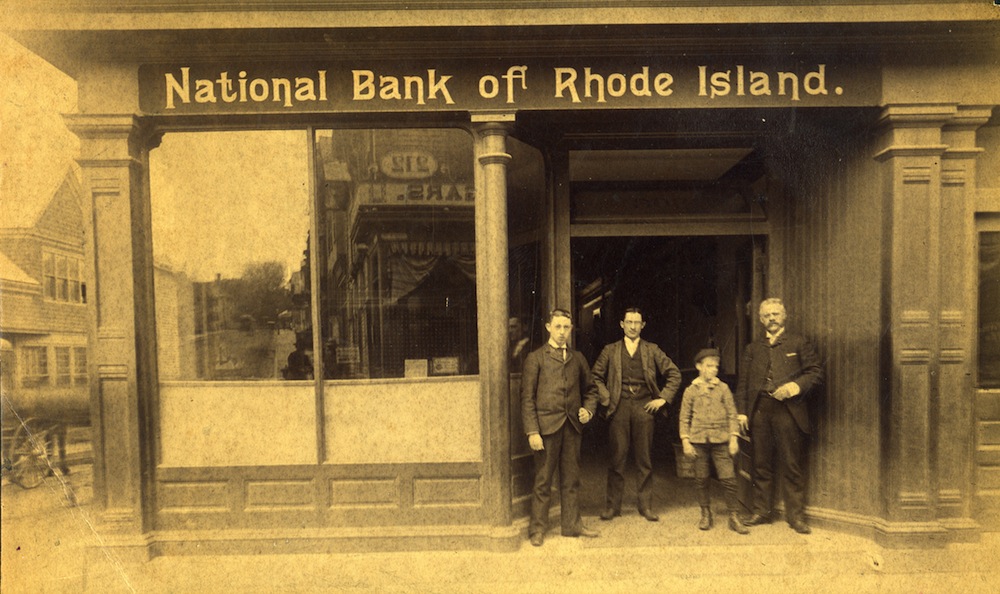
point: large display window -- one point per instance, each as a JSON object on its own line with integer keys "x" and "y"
{"x": 230, "y": 230}
{"x": 287, "y": 257}
{"x": 397, "y": 245}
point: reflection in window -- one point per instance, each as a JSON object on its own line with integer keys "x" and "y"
{"x": 230, "y": 235}
{"x": 525, "y": 203}
{"x": 397, "y": 239}
{"x": 989, "y": 309}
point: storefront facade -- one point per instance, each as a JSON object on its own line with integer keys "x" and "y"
{"x": 465, "y": 166}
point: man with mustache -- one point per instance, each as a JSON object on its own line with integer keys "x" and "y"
{"x": 778, "y": 374}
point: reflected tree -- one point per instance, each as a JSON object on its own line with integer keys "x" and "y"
{"x": 259, "y": 296}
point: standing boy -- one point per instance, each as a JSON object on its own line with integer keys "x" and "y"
{"x": 554, "y": 410}
{"x": 709, "y": 429}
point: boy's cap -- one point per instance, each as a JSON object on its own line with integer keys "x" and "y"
{"x": 706, "y": 353}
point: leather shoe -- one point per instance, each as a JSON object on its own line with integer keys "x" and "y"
{"x": 757, "y": 520}
{"x": 736, "y": 525}
{"x": 609, "y": 513}
{"x": 584, "y": 532}
{"x": 800, "y": 527}
{"x": 649, "y": 515}
{"x": 706, "y": 519}
{"x": 537, "y": 539}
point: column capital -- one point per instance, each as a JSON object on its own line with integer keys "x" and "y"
{"x": 86, "y": 125}
{"x": 913, "y": 130}
{"x": 497, "y": 117}
{"x": 959, "y": 133}
{"x": 493, "y": 123}
{"x": 916, "y": 115}
{"x": 969, "y": 117}
{"x": 493, "y": 128}
{"x": 109, "y": 140}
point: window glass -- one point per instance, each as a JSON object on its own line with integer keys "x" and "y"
{"x": 62, "y": 278}
{"x": 989, "y": 309}
{"x": 49, "y": 267}
{"x": 74, "y": 281}
{"x": 526, "y": 196}
{"x": 80, "y": 365}
{"x": 64, "y": 372}
{"x": 397, "y": 244}
{"x": 230, "y": 218}
{"x": 35, "y": 366}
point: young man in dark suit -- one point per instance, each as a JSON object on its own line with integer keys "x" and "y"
{"x": 626, "y": 376}
{"x": 556, "y": 401}
{"x": 778, "y": 373}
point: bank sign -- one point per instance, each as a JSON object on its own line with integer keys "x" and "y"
{"x": 632, "y": 83}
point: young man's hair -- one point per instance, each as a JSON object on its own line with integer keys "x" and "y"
{"x": 558, "y": 313}
{"x": 634, "y": 310}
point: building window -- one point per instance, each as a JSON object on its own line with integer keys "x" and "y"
{"x": 35, "y": 365}
{"x": 80, "y": 375}
{"x": 397, "y": 253}
{"x": 292, "y": 252}
{"x": 989, "y": 309}
{"x": 62, "y": 278}
{"x": 64, "y": 370}
{"x": 232, "y": 299}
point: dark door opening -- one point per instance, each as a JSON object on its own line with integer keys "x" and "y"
{"x": 694, "y": 292}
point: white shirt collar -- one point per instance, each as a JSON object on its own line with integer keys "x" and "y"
{"x": 773, "y": 337}
{"x": 557, "y": 347}
{"x": 631, "y": 345}
{"x": 700, "y": 382}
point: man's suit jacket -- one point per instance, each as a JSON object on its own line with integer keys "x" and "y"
{"x": 553, "y": 390}
{"x": 795, "y": 360}
{"x": 608, "y": 373}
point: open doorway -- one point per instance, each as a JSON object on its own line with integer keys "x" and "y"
{"x": 694, "y": 292}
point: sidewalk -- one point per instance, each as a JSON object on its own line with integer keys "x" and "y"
{"x": 44, "y": 542}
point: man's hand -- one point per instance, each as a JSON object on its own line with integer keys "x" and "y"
{"x": 744, "y": 424}
{"x": 535, "y": 442}
{"x": 734, "y": 445}
{"x": 689, "y": 450}
{"x": 786, "y": 391}
{"x": 654, "y": 405}
{"x": 585, "y": 415}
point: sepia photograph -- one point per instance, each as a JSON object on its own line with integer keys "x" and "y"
{"x": 500, "y": 296}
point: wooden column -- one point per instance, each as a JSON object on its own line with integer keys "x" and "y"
{"x": 911, "y": 148}
{"x": 114, "y": 160}
{"x": 956, "y": 390}
{"x": 558, "y": 239}
{"x": 493, "y": 304}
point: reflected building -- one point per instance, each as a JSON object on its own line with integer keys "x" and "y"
{"x": 398, "y": 233}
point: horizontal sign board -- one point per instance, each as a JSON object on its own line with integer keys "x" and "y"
{"x": 630, "y": 83}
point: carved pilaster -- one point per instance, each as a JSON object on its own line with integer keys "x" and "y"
{"x": 956, "y": 322}
{"x": 910, "y": 149}
{"x": 119, "y": 260}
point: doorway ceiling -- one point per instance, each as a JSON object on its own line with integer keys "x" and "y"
{"x": 653, "y": 165}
